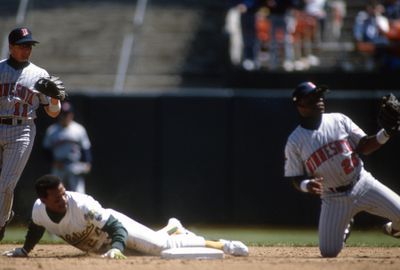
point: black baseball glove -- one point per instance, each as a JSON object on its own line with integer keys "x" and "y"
{"x": 389, "y": 114}
{"x": 51, "y": 86}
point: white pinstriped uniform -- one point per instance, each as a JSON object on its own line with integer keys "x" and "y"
{"x": 328, "y": 152}
{"x": 19, "y": 102}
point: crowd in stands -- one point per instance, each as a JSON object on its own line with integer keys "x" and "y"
{"x": 286, "y": 34}
{"x": 377, "y": 34}
{"x": 281, "y": 34}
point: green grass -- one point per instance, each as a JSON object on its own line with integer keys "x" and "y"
{"x": 252, "y": 236}
{"x": 17, "y": 235}
{"x": 293, "y": 237}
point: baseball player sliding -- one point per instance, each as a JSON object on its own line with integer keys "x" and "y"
{"x": 82, "y": 222}
{"x": 19, "y": 100}
{"x": 322, "y": 157}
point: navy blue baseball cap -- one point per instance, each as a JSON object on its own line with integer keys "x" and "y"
{"x": 21, "y": 35}
{"x": 306, "y": 88}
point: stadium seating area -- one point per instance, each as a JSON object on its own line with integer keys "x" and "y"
{"x": 181, "y": 42}
{"x": 81, "y": 40}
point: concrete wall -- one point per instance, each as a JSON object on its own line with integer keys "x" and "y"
{"x": 205, "y": 158}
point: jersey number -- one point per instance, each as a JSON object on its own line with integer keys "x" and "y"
{"x": 18, "y": 109}
{"x": 350, "y": 163}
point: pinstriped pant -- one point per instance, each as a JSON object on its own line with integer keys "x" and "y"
{"x": 16, "y": 144}
{"x": 337, "y": 209}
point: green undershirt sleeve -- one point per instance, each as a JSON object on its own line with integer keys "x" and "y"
{"x": 33, "y": 236}
{"x": 117, "y": 233}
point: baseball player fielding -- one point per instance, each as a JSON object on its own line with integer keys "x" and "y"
{"x": 322, "y": 157}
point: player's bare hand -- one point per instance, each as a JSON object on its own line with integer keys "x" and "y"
{"x": 315, "y": 186}
{"x": 114, "y": 253}
{"x": 16, "y": 252}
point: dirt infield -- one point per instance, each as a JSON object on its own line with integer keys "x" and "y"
{"x": 57, "y": 257}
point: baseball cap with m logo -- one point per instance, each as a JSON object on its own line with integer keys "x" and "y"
{"x": 21, "y": 35}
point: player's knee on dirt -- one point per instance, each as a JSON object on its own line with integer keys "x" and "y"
{"x": 331, "y": 247}
{"x": 330, "y": 252}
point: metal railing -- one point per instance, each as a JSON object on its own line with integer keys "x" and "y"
{"x": 126, "y": 49}
{"x": 127, "y": 46}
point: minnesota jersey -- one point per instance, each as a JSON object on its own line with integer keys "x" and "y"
{"x": 17, "y": 95}
{"x": 328, "y": 151}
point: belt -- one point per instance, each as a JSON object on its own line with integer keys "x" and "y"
{"x": 10, "y": 121}
{"x": 342, "y": 188}
{"x": 345, "y": 187}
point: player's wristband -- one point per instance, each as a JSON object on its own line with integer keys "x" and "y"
{"x": 303, "y": 185}
{"x": 382, "y": 137}
{"x": 55, "y": 107}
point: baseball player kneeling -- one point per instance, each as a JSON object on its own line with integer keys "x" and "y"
{"x": 322, "y": 157}
{"x": 82, "y": 222}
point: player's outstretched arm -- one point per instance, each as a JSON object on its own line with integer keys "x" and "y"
{"x": 16, "y": 252}
{"x": 119, "y": 237}
{"x": 369, "y": 144}
{"x": 35, "y": 233}
{"x": 388, "y": 120}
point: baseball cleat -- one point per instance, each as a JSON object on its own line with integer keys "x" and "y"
{"x": 388, "y": 229}
{"x": 347, "y": 231}
{"x": 235, "y": 248}
{"x": 3, "y": 229}
{"x": 174, "y": 226}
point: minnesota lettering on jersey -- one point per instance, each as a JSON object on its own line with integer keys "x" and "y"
{"x": 19, "y": 91}
{"x": 329, "y": 150}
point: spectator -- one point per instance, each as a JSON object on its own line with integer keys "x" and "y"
{"x": 240, "y": 25}
{"x": 281, "y": 19}
{"x": 317, "y": 10}
{"x": 370, "y": 29}
{"x": 70, "y": 149}
{"x": 392, "y": 12}
{"x": 392, "y": 9}
{"x": 336, "y": 14}
{"x": 306, "y": 27}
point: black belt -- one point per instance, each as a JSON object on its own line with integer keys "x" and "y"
{"x": 343, "y": 188}
{"x": 10, "y": 121}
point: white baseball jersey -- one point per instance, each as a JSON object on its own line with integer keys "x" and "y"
{"x": 81, "y": 226}
{"x": 18, "y": 101}
{"x": 17, "y": 96}
{"x": 327, "y": 151}
{"x": 85, "y": 217}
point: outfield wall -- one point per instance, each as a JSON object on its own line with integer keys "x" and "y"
{"x": 202, "y": 156}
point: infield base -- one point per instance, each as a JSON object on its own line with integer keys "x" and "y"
{"x": 192, "y": 253}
